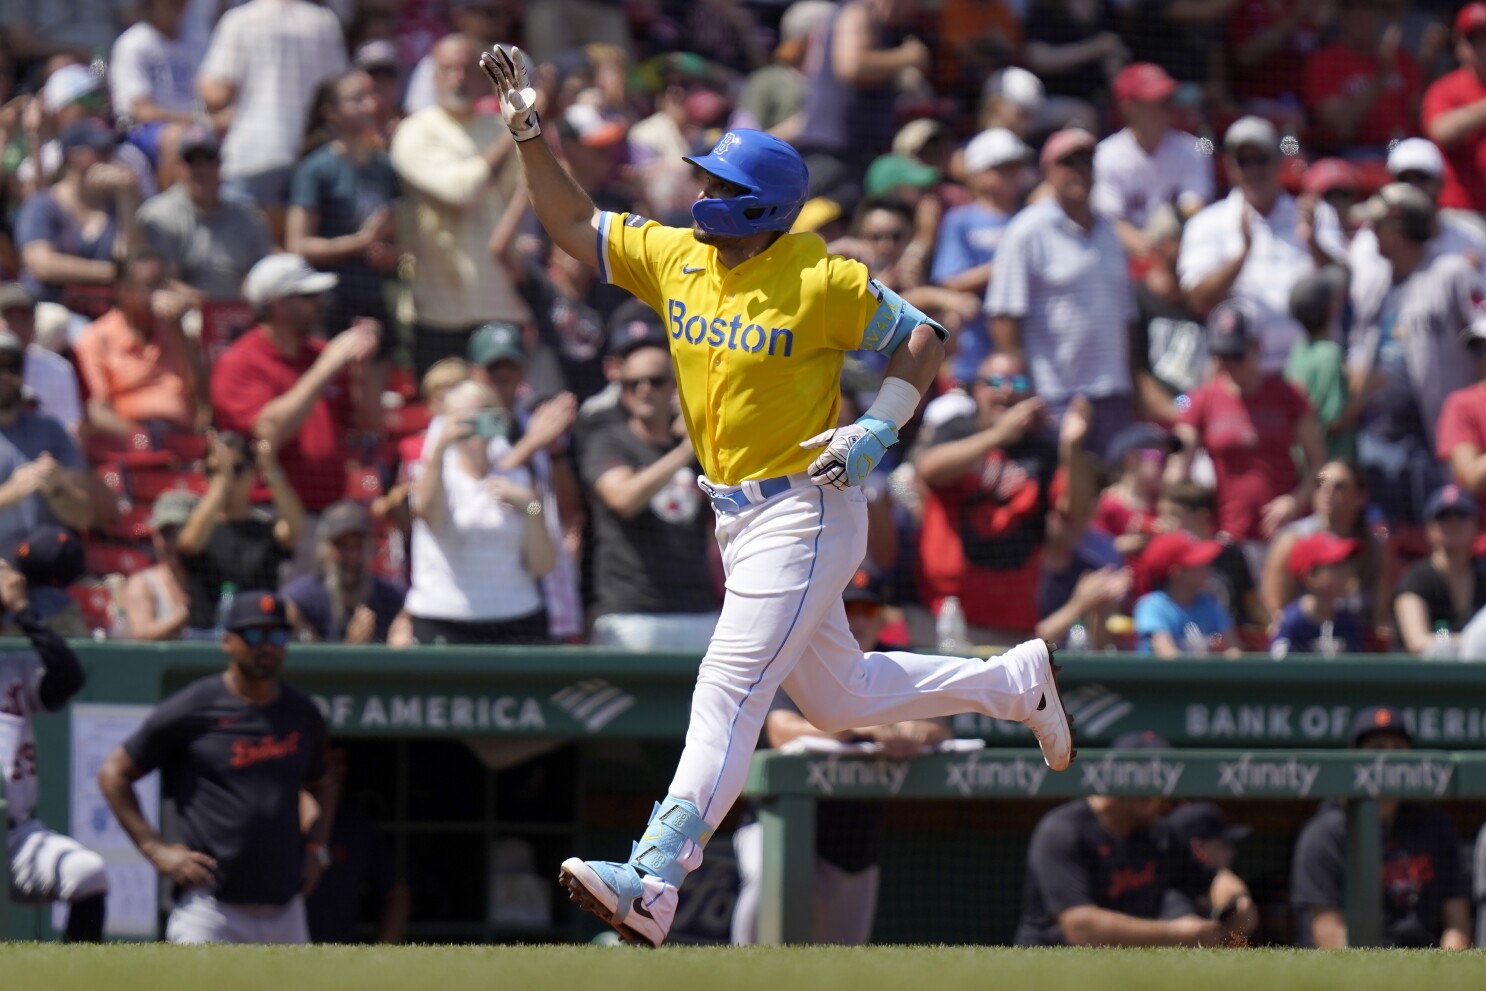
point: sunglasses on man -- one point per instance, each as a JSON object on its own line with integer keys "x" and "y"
{"x": 257, "y": 636}
{"x": 1016, "y": 383}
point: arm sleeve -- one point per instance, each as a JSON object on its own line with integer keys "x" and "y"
{"x": 1199, "y": 175}
{"x": 34, "y": 221}
{"x": 1151, "y": 616}
{"x": 865, "y": 314}
{"x": 1105, "y": 197}
{"x": 238, "y": 395}
{"x": 304, "y": 189}
{"x": 1438, "y": 99}
{"x": 633, "y": 252}
{"x": 61, "y": 445}
{"x": 1318, "y": 871}
{"x": 224, "y": 59}
{"x": 1190, "y": 874}
{"x": 599, "y": 455}
{"x": 1453, "y": 429}
{"x": 1056, "y": 867}
{"x": 127, "y": 77}
{"x": 430, "y": 165}
{"x": 151, "y": 746}
{"x": 62, "y": 675}
{"x": 92, "y": 363}
{"x": 951, "y": 256}
{"x": 1010, "y": 290}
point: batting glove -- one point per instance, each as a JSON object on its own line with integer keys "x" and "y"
{"x": 506, "y": 67}
{"x": 850, "y": 452}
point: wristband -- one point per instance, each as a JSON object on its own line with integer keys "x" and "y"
{"x": 895, "y": 402}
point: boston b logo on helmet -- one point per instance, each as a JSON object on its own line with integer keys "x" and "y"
{"x": 770, "y": 169}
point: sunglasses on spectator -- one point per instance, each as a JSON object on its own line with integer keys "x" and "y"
{"x": 1253, "y": 161}
{"x": 12, "y": 366}
{"x": 257, "y": 636}
{"x": 1077, "y": 160}
{"x": 200, "y": 157}
{"x": 1415, "y": 177}
{"x": 1346, "y": 196}
{"x": 1016, "y": 383}
{"x": 893, "y": 236}
{"x": 654, "y": 381}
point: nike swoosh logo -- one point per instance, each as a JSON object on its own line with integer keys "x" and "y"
{"x": 689, "y": 270}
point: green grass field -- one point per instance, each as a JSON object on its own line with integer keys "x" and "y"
{"x": 157, "y": 967}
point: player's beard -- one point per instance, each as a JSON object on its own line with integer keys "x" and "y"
{"x": 262, "y": 663}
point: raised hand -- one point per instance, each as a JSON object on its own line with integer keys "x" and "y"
{"x": 506, "y": 67}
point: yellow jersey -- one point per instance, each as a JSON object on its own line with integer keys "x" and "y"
{"x": 757, "y": 349}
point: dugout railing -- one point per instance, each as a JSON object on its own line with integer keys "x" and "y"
{"x": 786, "y": 788}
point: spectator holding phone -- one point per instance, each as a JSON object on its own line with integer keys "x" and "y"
{"x": 226, "y": 539}
{"x": 480, "y": 543}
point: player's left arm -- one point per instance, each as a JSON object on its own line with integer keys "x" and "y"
{"x": 62, "y": 674}
{"x": 915, "y": 346}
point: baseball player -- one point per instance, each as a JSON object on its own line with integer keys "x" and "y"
{"x": 44, "y": 866}
{"x": 759, "y": 320}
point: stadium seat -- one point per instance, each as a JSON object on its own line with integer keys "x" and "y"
{"x": 132, "y": 525}
{"x": 108, "y": 558}
{"x": 145, "y": 485}
{"x": 186, "y": 447}
{"x": 363, "y": 482}
{"x": 96, "y": 603}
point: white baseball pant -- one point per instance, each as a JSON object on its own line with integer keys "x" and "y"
{"x": 787, "y": 562}
{"x": 843, "y": 903}
{"x": 51, "y": 867}
{"x": 198, "y": 917}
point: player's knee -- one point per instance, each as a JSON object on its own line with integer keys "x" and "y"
{"x": 82, "y": 875}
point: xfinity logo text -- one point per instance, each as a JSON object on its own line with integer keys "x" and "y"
{"x": 825, "y": 776}
{"x": 971, "y": 775}
{"x": 1151, "y": 775}
{"x": 1288, "y": 777}
{"x": 1384, "y": 777}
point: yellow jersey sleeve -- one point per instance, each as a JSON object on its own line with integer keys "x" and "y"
{"x": 863, "y": 313}
{"x": 633, "y": 252}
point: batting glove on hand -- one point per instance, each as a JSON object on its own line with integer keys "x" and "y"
{"x": 850, "y": 452}
{"x": 506, "y": 67}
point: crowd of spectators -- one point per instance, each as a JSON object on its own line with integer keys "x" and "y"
{"x": 277, "y": 313}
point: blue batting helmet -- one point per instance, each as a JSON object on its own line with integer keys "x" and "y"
{"x": 773, "y": 173}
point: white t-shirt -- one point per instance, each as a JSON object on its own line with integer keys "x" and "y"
{"x": 275, "y": 52}
{"x": 470, "y": 568}
{"x": 146, "y": 63}
{"x": 1129, "y": 184}
{"x": 1277, "y": 260}
{"x": 53, "y": 382}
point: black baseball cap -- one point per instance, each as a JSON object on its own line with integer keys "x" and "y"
{"x": 1205, "y": 821}
{"x": 635, "y": 325}
{"x": 865, "y": 586}
{"x": 1228, "y": 331}
{"x": 1379, "y": 719}
{"x": 49, "y": 556}
{"x": 256, "y": 607}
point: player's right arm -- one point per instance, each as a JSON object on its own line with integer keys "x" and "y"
{"x": 187, "y": 868}
{"x": 564, "y": 209}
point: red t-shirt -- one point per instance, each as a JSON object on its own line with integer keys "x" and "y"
{"x": 1249, "y": 439}
{"x": 1282, "y": 72}
{"x": 1462, "y": 421}
{"x": 1115, "y": 518}
{"x": 982, "y": 534}
{"x": 1337, "y": 70}
{"x": 254, "y": 371}
{"x": 1465, "y": 162}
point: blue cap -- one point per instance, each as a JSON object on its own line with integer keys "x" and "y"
{"x": 771, "y": 171}
{"x": 1141, "y": 437}
{"x": 1450, "y": 499}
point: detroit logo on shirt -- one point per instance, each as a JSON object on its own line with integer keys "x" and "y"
{"x": 720, "y": 332}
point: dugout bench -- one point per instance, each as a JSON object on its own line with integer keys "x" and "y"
{"x": 787, "y": 787}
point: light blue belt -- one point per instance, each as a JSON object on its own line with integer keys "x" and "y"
{"x": 752, "y": 493}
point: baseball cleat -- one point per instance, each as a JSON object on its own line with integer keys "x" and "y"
{"x": 638, "y": 906}
{"x": 1050, "y": 723}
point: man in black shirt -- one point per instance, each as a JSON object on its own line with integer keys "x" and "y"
{"x": 1108, "y": 871}
{"x": 235, "y": 751}
{"x": 651, "y": 525}
{"x": 1425, "y": 895}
